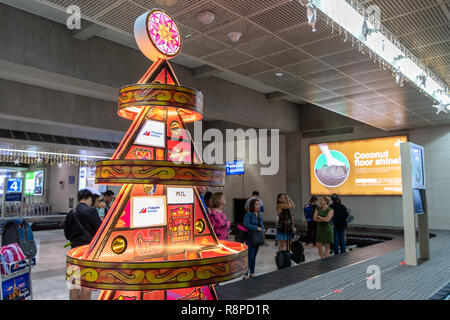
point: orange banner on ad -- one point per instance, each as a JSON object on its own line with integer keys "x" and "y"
{"x": 359, "y": 167}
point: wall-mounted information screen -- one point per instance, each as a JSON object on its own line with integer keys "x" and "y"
{"x": 359, "y": 167}
{"x": 235, "y": 167}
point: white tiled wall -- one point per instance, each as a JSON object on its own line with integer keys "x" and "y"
{"x": 387, "y": 210}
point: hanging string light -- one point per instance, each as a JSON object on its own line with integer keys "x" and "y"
{"x": 46, "y": 158}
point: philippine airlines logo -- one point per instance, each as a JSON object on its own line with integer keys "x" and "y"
{"x": 153, "y": 134}
{"x": 144, "y": 210}
{"x": 149, "y": 210}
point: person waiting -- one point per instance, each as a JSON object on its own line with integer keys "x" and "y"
{"x": 308, "y": 211}
{"x": 98, "y": 205}
{"x": 339, "y": 223}
{"x": 324, "y": 235}
{"x": 285, "y": 224}
{"x": 253, "y": 221}
{"x": 108, "y": 199}
{"x": 255, "y": 195}
{"x": 206, "y": 198}
{"x": 80, "y": 227}
{"x": 217, "y": 216}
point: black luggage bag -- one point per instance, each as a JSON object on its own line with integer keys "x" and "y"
{"x": 283, "y": 259}
{"x": 298, "y": 252}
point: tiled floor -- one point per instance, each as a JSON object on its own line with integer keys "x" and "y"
{"x": 48, "y": 274}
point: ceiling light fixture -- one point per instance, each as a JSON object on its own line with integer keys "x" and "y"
{"x": 384, "y": 45}
{"x": 235, "y": 36}
{"x": 206, "y": 17}
{"x": 279, "y": 74}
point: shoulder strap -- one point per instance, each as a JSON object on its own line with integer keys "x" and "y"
{"x": 74, "y": 213}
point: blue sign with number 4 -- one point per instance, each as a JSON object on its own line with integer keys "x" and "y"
{"x": 14, "y": 185}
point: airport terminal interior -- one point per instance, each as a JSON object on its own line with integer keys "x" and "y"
{"x": 225, "y": 150}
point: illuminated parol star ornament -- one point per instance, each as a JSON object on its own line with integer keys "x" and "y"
{"x": 157, "y": 35}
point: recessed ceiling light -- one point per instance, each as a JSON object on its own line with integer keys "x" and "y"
{"x": 279, "y": 74}
{"x": 188, "y": 36}
{"x": 235, "y": 36}
{"x": 206, "y": 17}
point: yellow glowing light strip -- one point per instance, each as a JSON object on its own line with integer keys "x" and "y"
{"x": 341, "y": 12}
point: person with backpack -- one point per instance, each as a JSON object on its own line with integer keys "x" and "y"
{"x": 339, "y": 223}
{"x": 80, "y": 227}
{"x": 285, "y": 225}
{"x": 253, "y": 222}
{"x": 308, "y": 211}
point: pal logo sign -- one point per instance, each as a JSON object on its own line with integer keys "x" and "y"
{"x": 152, "y": 134}
{"x": 180, "y": 195}
{"x": 148, "y": 211}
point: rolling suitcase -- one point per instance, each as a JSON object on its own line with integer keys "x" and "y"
{"x": 298, "y": 252}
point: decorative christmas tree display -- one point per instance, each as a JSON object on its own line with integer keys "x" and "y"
{"x": 156, "y": 241}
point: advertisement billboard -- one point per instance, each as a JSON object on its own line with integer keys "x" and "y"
{"x": 358, "y": 167}
{"x": 34, "y": 183}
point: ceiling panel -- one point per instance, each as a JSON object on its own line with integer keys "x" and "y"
{"x": 338, "y": 83}
{"x": 202, "y": 46}
{"x": 87, "y": 7}
{"x": 221, "y": 17}
{"x": 281, "y": 17}
{"x": 302, "y": 35}
{"x": 359, "y": 67}
{"x": 290, "y": 84}
{"x": 121, "y": 16}
{"x": 350, "y": 90}
{"x": 287, "y": 57}
{"x": 228, "y": 57}
{"x": 251, "y": 67}
{"x": 263, "y": 46}
{"x": 248, "y": 30}
{"x": 311, "y": 66}
{"x": 326, "y": 46}
{"x": 174, "y": 9}
{"x": 249, "y": 7}
{"x": 269, "y": 77}
{"x": 344, "y": 58}
{"x": 323, "y": 76}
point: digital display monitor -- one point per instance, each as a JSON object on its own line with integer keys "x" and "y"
{"x": 419, "y": 207}
{"x": 34, "y": 183}
{"x": 418, "y": 174}
{"x": 235, "y": 167}
{"x": 358, "y": 167}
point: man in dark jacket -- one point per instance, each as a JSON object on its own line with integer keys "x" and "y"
{"x": 80, "y": 227}
{"x": 340, "y": 224}
{"x": 83, "y": 222}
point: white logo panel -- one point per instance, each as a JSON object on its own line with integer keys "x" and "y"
{"x": 180, "y": 195}
{"x": 148, "y": 211}
{"x": 152, "y": 134}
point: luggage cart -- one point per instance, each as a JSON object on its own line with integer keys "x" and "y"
{"x": 16, "y": 285}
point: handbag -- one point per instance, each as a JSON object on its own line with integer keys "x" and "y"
{"x": 256, "y": 237}
{"x": 241, "y": 234}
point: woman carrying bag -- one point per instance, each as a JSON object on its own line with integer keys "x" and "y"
{"x": 253, "y": 221}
